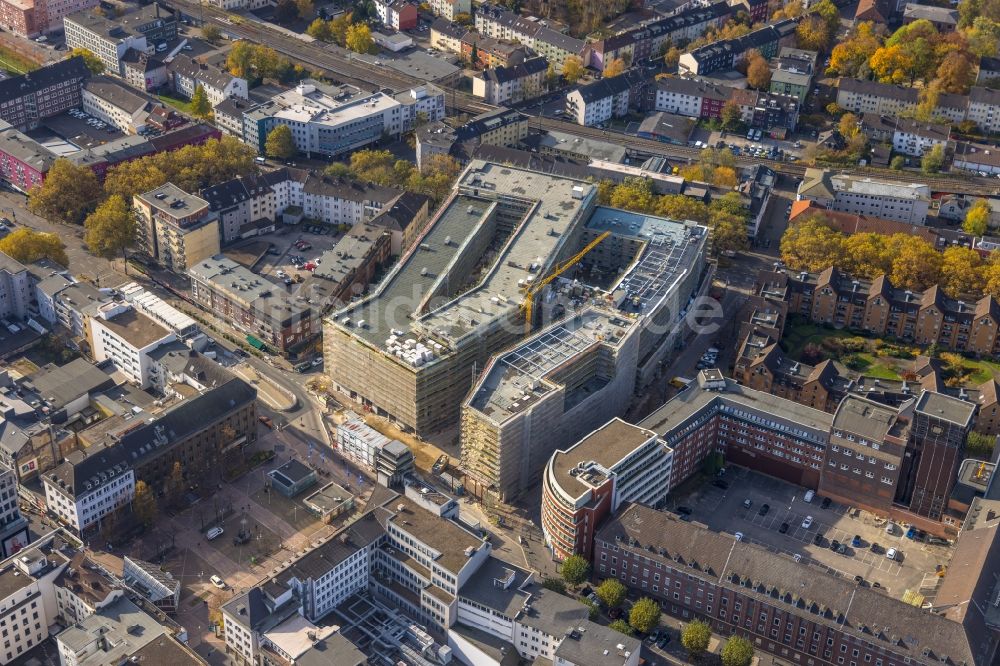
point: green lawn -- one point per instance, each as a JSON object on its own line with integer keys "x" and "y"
{"x": 797, "y": 336}
{"x": 883, "y": 367}
{"x": 981, "y": 370}
{"x": 15, "y": 63}
{"x": 177, "y": 103}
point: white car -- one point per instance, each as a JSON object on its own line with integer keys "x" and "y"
{"x": 317, "y": 361}
{"x": 739, "y": 536}
{"x": 891, "y": 554}
{"x": 214, "y": 533}
{"x": 281, "y": 273}
{"x": 807, "y": 523}
{"x": 218, "y": 582}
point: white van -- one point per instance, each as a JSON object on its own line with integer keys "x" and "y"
{"x": 214, "y": 533}
{"x": 809, "y": 496}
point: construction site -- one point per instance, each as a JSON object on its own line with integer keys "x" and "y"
{"x": 511, "y": 252}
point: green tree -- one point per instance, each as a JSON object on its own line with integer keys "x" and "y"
{"x": 611, "y": 593}
{"x": 897, "y": 163}
{"x": 279, "y": 143}
{"x": 285, "y": 11}
{"x": 575, "y": 569}
{"x": 67, "y": 194}
{"x": 622, "y": 627}
{"x": 592, "y": 609}
{"x": 339, "y": 26}
{"x": 680, "y": 207}
{"x": 200, "y": 106}
{"x": 144, "y": 504}
{"x": 634, "y": 194}
{"x": 320, "y": 29}
{"x": 110, "y": 229}
{"x": 732, "y": 117}
{"x": 27, "y": 246}
{"x": 555, "y": 585}
{"x": 644, "y": 615}
{"x": 306, "y": 9}
{"x": 737, "y": 651}
{"x": 695, "y": 638}
{"x": 211, "y": 33}
{"x": 979, "y": 445}
{"x": 359, "y": 38}
{"x": 933, "y": 160}
{"x": 977, "y": 218}
{"x": 93, "y": 63}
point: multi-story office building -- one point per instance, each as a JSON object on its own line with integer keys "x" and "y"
{"x": 788, "y": 607}
{"x": 126, "y": 337}
{"x": 176, "y": 229}
{"x": 616, "y": 463}
{"x": 27, "y": 99}
{"x": 110, "y": 39}
{"x": 27, "y": 597}
{"x": 906, "y": 202}
{"x": 416, "y": 364}
{"x": 251, "y": 303}
{"x": 334, "y": 120}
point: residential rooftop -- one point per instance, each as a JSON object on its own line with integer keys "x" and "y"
{"x": 606, "y": 446}
{"x": 134, "y": 327}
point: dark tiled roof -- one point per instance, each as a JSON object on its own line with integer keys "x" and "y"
{"x": 527, "y": 68}
{"x": 40, "y": 79}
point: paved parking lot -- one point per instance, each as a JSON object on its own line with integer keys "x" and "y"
{"x": 723, "y": 510}
{"x": 284, "y": 244}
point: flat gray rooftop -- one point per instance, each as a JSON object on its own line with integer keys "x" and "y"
{"x": 515, "y": 380}
{"x": 552, "y": 208}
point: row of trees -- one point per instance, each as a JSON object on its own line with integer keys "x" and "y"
{"x": 910, "y": 262}
{"x": 644, "y": 616}
{"x": 381, "y": 167}
{"x": 72, "y": 194}
{"x": 257, "y": 61}
{"x": 726, "y": 216}
{"x": 344, "y": 31}
{"x": 943, "y": 62}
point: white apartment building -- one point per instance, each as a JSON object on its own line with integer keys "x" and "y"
{"x": 104, "y": 39}
{"x": 116, "y": 104}
{"x": 126, "y": 337}
{"x": 81, "y": 590}
{"x": 187, "y": 74}
{"x": 447, "y": 9}
{"x": 28, "y": 608}
{"x": 915, "y": 138}
{"x": 509, "y": 85}
{"x": 866, "y": 196}
{"x": 984, "y": 109}
{"x": 686, "y": 97}
{"x": 599, "y": 102}
{"x": 16, "y": 288}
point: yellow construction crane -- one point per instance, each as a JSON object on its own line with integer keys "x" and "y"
{"x": 532, "y": 290}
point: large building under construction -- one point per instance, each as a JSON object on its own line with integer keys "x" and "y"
{"x": 412, "y": 350}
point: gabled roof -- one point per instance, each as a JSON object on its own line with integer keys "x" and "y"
{"x": 44, "y": 77}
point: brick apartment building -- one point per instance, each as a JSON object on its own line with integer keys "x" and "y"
{"x": 793, "y": 609}
{"x": 879, "y": 308}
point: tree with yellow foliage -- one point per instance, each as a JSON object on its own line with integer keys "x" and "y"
{"x": 916, "y": 264}
{"x": 961, "y": 272}
{"x": 572, "y": 69}
{"x": 758, "y": 71}
{"x": 359, "y": 38}
{"x": 28, "y": 246}
{"x": 614, "y": 67}
{"x": 811, "y": 245}
{"x": 850, "y": 57}
{"x": 977, "y": 218}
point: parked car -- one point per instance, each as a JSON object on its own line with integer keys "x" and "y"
{"x": 807, "y": 523}
{"x": 747, "y": 503}
{"x": 825, "y": 504}
{"x": 784, "y": 528}
{"x": 218, "y": 582}
{"x": 684, "y": 510}
{"x": 764, "y": 508}
{"x": 892, "y": 554}
{"x": 266, "y": 420}
{"x": 214, "y": 533}
{"x": 818, "y": 539}
{"x": 875, "y": 548}
{"x": 856, "y": 541}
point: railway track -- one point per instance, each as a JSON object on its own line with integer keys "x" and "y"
{"x": 342, "y": 66}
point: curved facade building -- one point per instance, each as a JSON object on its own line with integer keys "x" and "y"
{"x": 616, "y": 463}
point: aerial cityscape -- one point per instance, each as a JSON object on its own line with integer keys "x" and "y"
{"x": 499, "y": 333}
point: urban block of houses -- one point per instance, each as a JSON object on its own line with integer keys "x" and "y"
{"x": 45, "y": 92}
{"x": 792, "y": 72}
{"x": 727, "y": 53}
{"x": 500, "y": 23}
{"x": 600, "y": 101}
{"x": 187, "y": 74}
{"x": 110, "y": 39}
